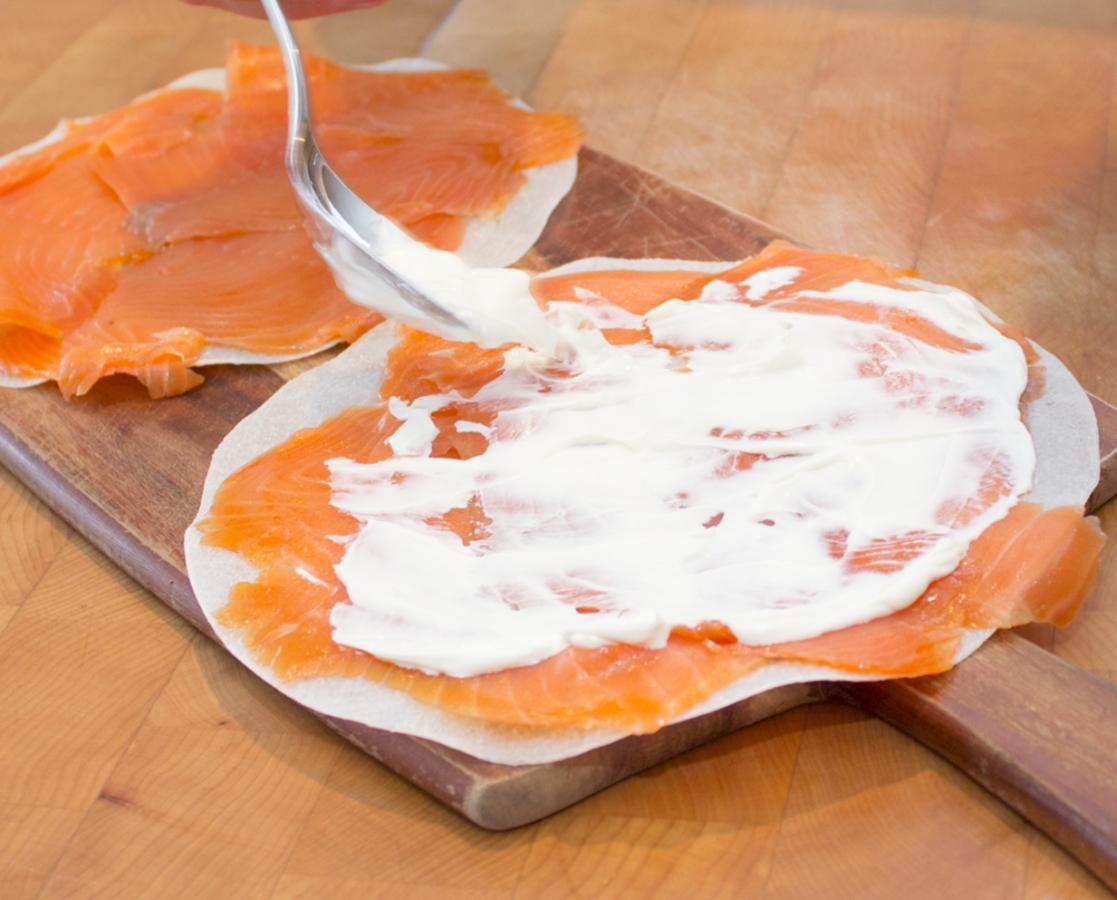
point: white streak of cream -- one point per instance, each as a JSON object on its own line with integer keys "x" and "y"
{"x": 767, "y": 280}
{"x": 494, "y": 305}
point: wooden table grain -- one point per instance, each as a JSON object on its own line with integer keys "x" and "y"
{"x": 975, "y": 140}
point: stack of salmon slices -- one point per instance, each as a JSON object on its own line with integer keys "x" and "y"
{"x": 165, "y": 234}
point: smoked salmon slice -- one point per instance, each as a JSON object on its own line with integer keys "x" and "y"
{"x": 1033, "y": 565}
{"x": 143, "y": 240}
{"x": 276, "y": 512}
{"x": 462, "y": 104}
{"x": 247, "y": 291}
{"x": 63, "y": 237}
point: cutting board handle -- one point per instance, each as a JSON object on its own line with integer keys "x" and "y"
{"x": 1033, "y": 729}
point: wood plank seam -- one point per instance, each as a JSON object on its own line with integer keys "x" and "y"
{"x": 954, "y": 94}
{"x": 765, "y": 205}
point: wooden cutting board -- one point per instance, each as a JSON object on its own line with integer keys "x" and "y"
{"x": 128, "y": 474}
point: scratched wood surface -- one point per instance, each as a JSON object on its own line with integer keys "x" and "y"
{"x": 973, "y": 140}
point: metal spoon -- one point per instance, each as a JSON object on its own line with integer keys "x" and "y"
{"x": 344, "y": 225}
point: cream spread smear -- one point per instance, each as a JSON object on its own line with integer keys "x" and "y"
{"x": 493, "y": 304}
{"x": 729, "y": 471}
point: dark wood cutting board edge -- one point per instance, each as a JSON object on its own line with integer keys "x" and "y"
{"x": 1037, "y": 732}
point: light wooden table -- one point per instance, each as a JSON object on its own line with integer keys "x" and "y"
{"x": 973, "y": 139}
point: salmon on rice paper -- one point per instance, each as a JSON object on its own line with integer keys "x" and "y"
{"x": 164, "y": 235}
{"x": 799, "y": 467}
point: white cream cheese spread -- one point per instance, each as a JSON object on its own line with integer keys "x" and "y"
{"x": 736, "y": 469}
{"x": 494, "y": 306}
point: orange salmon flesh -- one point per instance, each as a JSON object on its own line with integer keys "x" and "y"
{"x": 151, "y": 232}
{"x": 1034, "y": 565}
